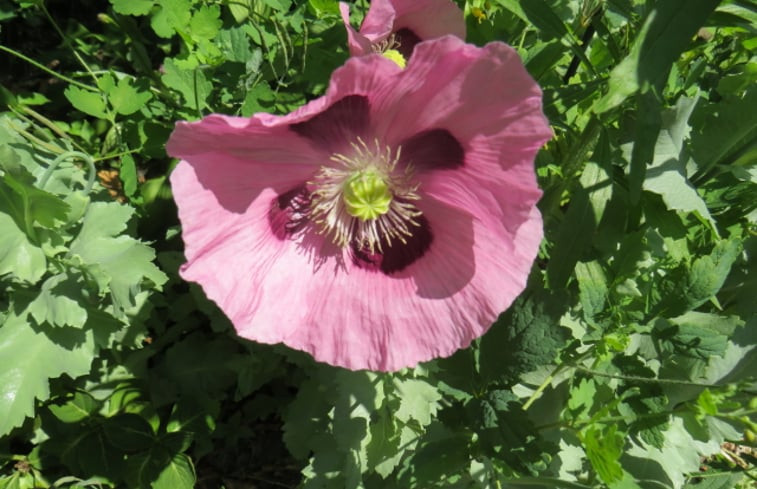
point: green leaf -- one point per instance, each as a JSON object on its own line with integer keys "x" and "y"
{"x": 667, "y": 31}
{"x": 592, "y": 285}
{"x": 27, "y": 204}
{"x": 707, "y": 273}
{"x": 90, "y": 103}
{"x": 18, "y": 256}
{"x": 582, "y": 397}
{"x": 305, "y": 418}
{"x": 436, "y": 460}
{"x": 205, "y": 22}
{"x": 281, "y": 5}
{"x": 129, "y": 432}
{"x": 172, "y": 16}
{"x": 604, "y": 447}
{"x": 54, "y": 304}
{"x": 419, "y": 400}
{"x": 324, "y": 7}
{"x": 179, "y": 474}
{"x": 525, "y": 337}
{"x": 240, "y": 10}
{"x": 666, "y": 176}
{"x": 586, "y": 208}
{"x": 259, "y": 99}
{"x": 723, "y": 129}
{"x": 383, "y": 451}
{"x": 126, "y": 99}
{"x": 192, "y": 84}
{"x": 680, "y": 454}
{"x": 506, "y": 432}
{"x": 697, "y": 335}
{"x": 80, "y": 407}
{"x": 726, "y": 480}
{"x": 128, "y": 175}
{"x": 30, "y": 359}
{"x": 132, "y": 7}
{"x": 120, "y": 263}
{"x": 234, "y": 44}
{"x": 91, "y": 453}
{"x": 538, "y": 13}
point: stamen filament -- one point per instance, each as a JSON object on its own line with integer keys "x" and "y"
{"x": 363, "y": 199}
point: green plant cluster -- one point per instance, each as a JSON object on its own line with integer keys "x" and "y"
{"x": 629, "y": 362}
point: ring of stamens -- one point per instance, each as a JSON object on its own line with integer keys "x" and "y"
{"x": 335, "y": 219}
{"x": 390, "y": 42}
{"x": 389, "y": 48}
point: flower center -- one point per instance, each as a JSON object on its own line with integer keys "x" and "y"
{"x": 389, "y": 48}
{"x": 363, "y": 199}
{"x": 366, "y": 195}
{"x": 395, "y": 56}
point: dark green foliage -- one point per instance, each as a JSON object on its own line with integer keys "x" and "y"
{"x": 527, "y": 336}
{"x": 627, "y": 363}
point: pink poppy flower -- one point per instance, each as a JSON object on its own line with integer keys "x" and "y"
{"x": 386, "y": 223}
{"x": 401, "y": 24}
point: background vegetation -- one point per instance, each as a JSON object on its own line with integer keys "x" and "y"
{"x": 629, "y": 361}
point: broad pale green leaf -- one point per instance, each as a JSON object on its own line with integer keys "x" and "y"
{"x": 22, "y": 161}
{"x": 80, "y": 407}
{"x": 282, "y": 5}
{"x": 359, "y": 395}
{"x": 680, "y": 454}
{"x": 383, "y": 451}
{"x": 128, "y": 175}
{"x": 120, "y": 262}
{"x": 192, "y": 84}
{"x": 667, "y": 178}
{"x": 259, "y": 99}
{"x": 240, "y": 10}
{"x": 179, "y": 474}
{"x": 172, "y": 16}
{"x": 56, "y": 303}
{"x": 598, "y": 180}
{"x": 126, "y": 99}
{"x": 419, "y": 400}
{"x": 205, "y": 22}
{"x": 27, "y": 204}
{"x": 132, "y": 7}
{"x": 696, "y": 334}
{"x": 707, "y": 273}
{"x": 234, "y": 44}
{"x": 592, "y": 285}
{"x": 144, "y": 468}
{"x": 18, "y": 256}
{"x": 19, "y": 480}
{"x": 603, "y": 449}
{"x": 91, "y": 103}
{"x": 325, "y": 7}
{"x": 30, "y": 359}
{"x": 739, "y": 362}
{"x": 582, "y": 397}
{"x": 726, "y": 480}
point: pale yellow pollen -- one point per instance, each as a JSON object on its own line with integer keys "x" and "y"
{"x": 364, "y": 199}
